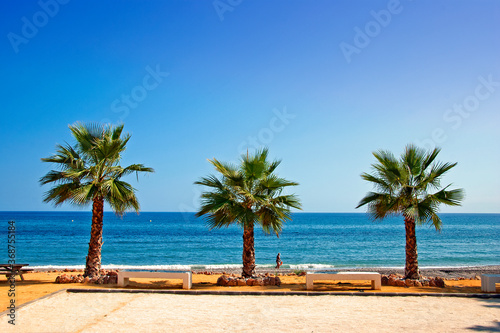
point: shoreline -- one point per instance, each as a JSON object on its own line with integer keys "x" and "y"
{"x": 444, "y": 272}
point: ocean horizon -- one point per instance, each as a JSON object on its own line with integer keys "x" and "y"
{"x": 174, "y": 240}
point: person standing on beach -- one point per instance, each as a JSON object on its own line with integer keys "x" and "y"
{"x": 278, "y": 261}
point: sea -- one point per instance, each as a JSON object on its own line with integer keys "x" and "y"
{"x": 153, "y": 240}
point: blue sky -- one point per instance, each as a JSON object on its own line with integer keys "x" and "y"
{"x": 322, "y": 84}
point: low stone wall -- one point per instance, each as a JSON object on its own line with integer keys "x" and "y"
{"x": 266, "y": 280}
{"x": 107, "y": 277}
{"x": 397, "y": 280}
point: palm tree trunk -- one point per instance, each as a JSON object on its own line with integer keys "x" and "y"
{"x": 93, "y": 265}
{"x": 411, "y": 267}
{"x": 248, "y": 251}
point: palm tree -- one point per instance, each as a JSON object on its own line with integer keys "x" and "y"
{"x": 89, "y": 172}
{"x": 403, "y": 187}
{"x": 247, "y": 195}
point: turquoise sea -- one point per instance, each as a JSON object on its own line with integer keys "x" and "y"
{"x": 310, "y": 240}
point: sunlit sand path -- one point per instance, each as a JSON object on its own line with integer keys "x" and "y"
{"x": 122, "y": 312}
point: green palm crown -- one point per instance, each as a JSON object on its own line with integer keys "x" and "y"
{"x": 90, "y": 169}
{"x": 403, "y": 186}
{"x": 248, "y": 194}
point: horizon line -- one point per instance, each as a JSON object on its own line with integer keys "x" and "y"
{"x": 132, "y": 212}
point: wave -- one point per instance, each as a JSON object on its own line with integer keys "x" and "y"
{"x": 183, "y": 267}
{"x": 143, "y": 267}
{"x": 231, "y": 267}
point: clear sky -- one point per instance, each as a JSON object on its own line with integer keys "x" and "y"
{"x": 321, "y": 83}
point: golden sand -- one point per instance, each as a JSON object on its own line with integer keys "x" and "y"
{"x": 39, "y": 284}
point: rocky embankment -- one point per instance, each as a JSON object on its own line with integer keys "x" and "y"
{"x": 106, "y": 277}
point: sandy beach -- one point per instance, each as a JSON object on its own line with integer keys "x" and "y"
{"x": 458, "y": 280}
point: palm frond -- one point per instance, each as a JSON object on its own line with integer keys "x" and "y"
{"x": 227, "y": 170}
{"x": 121, "y": 196}
{"x": 52, "y": 177}
{"x": 86, "y": 135}
{"x": 273, "y": 166}
{"x": 290, "y": 200}
{"x": 450, "y": 198}
{"x": 369, "y": 198}
{"x": 116, "y": 132}
{"x": 62, "y": 193}
{"x": 437, "y": 170}
{"x": 272, "y": 218}
{"x": 430, "y": 157}
{"x": 273, "y": 184}
{"x": 412, "y": 160}
{"x": 378, "y": 183}
{"x": 118, "y": 171}
{"x": 210, "y": 181}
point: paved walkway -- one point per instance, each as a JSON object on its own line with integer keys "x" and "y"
{"x": 124, "y": 312}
